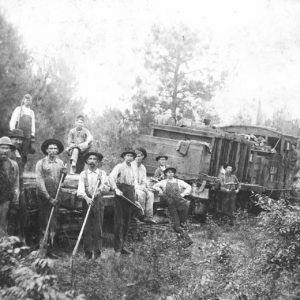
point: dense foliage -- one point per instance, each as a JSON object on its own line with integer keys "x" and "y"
{"x": 24, "y": 276}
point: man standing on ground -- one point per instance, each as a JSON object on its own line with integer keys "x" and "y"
{"x": 79, "y": 142}
{"x": 144, "y": 196}
{"x": 229, "y": 186}
{"x": 49, "y": 171}
{"x": 9, "y": 182}
{"x": 17, "y": 214}
{"x": 87, "y": 184}
{"x": 122, "y": 181}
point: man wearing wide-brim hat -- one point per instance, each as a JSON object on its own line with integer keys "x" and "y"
{"x": 48, "y": 174}
{"x": 144, "y": 196}
{"x": 122, "y": 182}
{"x": 174, "y": 190}
{"x": 17, "y": 214}
{"x": 9, "y": 181}
{"x": 87, "y": 184}
{"x": 161, "y": 158}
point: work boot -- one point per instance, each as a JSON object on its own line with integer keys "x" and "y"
{"x": 51, "y": 255}
{"x": 136, "y": 220}
{"x": 125, "y": 251}
{"x": 97, "y": 254}
{"x": 88, "y": 255}
{"x": 149, "y": 220}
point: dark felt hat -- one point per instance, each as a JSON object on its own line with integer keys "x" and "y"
{"x": 225, "y": 165}
{"x": 143, "y": 150}
{"x": 80, "y": 117}
{"x": 128, "y": 151}
{"x": 16, "y": 133}
{"x": 5, "y": 140}
{"x": 48, "y": 142}
{"x": 160, "y": 155}
{"x": 97, "y": 154}
{"x": 170, "y": 169}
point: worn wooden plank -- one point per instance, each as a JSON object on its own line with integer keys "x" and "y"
{"x": 188, "y": 166}
{"x": 218, "y": 157}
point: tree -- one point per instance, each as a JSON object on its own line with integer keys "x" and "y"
{"x": 14, "y": 72}
{"x": 55, "y": 105}
{"x": 171, "y": 54}
{"x": 282, "y": 121}
{"x": 241, "y": 118}
{"x": 113, "y": 131}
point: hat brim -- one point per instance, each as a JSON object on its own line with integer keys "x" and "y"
{"x": 12, "y": 147}
{"x": 128, "y": 152}
{"x": 142, "y": 150}
{"x": 160, "y": 156}
{"x": 170, "y": 169}
{"x": 97, "y": 154}
{"x": 17, "y": 136}
{"x": 52, "y": 142}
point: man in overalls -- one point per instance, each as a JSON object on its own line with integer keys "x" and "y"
{"x": 122, "y": 181}
{"x": 230, "y": 186}
{"x": 9, "y": 182}
{"x": 17, "y": 213}
{"x": 23, "y": 118}
{"x": 173, "y": 191}
{"x": 93, "y": 234}
{"x": 79, "y": 142}
{"x": 49, "y": 172}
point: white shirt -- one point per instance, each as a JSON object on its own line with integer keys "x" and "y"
{"x": 16, "y": 117}
{"x": 121, "y": 173}
{"x": 182, "y": 186}
{"x": 92, "y": 177}
{"x": 140, "y": 175}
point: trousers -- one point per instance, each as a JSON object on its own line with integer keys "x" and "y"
{"x": 146, "y": 199}
{"x": 122, "y": 215}
{"x": 93, "y": 232}
{"x": 178, "y": 206}
{"x": 3, "y": 218}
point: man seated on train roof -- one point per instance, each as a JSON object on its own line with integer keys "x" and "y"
{"x": 159, "y": 172}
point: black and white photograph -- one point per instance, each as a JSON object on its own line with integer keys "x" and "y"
{"x": 150, "y": 150}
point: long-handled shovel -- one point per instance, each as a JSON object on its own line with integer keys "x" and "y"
{"x": 135, "y": 204}
{"x": 43, "y": 245}
{"x": 82, "y": 229}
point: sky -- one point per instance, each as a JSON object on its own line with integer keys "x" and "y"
{"x": 256, "y": 41}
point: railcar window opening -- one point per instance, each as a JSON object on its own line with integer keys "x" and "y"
{"x": 272, "y": 141}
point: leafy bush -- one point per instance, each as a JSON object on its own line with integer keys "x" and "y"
{"x": 24, "y": 276}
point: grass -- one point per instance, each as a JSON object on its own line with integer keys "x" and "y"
{"x": 225, "y": 262}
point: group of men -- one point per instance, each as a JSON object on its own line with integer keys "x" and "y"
{"x": 127, "y": 179}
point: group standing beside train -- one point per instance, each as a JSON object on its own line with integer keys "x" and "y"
{"x": 128, "y": 180}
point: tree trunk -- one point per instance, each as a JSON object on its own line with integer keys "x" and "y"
{"x": 175, "y": 87}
